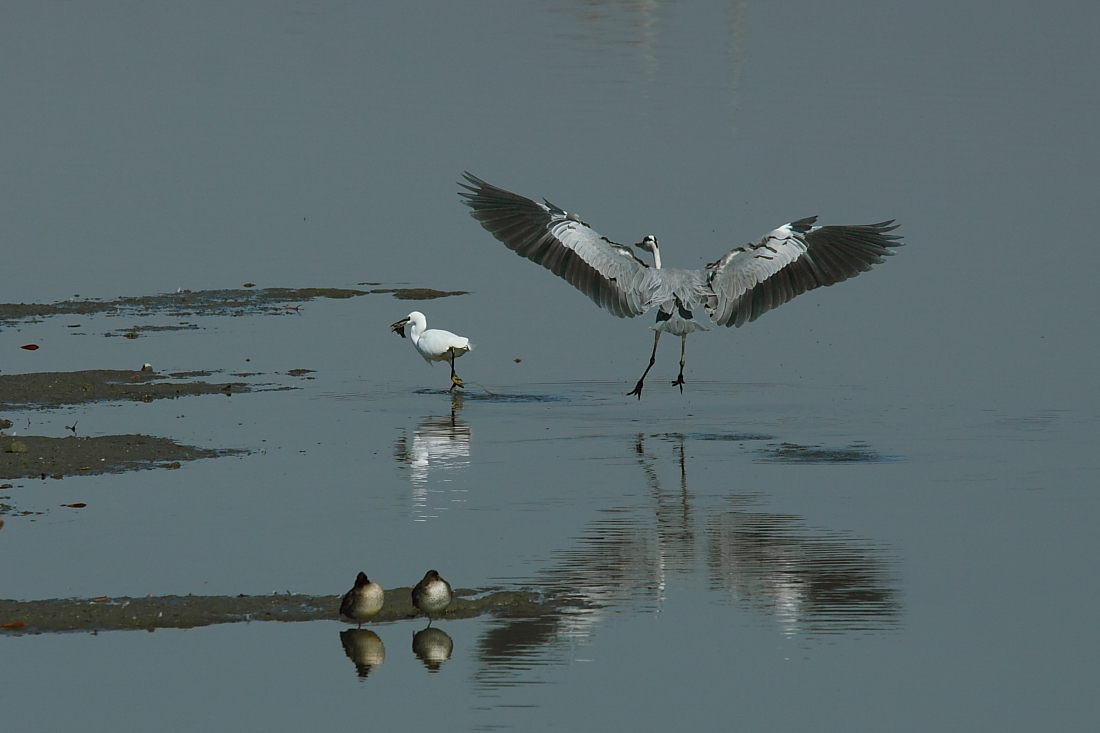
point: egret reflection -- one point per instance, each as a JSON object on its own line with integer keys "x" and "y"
{"x": 437, "y": 449}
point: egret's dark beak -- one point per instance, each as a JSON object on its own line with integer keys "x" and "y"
{"x": 399, "y": 327}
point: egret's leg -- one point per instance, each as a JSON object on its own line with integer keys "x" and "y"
{"x": 454, "y": 377}
{"x": 652, "y": 358}
{"x": 680, "y": 379}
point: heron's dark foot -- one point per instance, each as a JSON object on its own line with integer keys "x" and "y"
{"x": 679, "y": 383}
{"x": 637, "y": 389}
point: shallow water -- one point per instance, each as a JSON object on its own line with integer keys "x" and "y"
{"x": 873, "y": 508}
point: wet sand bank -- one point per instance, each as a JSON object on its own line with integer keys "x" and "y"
{"x": 54, "y": 389}
{"x": 185, "y": 612}
{"x": 35, "y": 456}
{"x": 235, "y": 302}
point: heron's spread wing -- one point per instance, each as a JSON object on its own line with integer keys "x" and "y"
{"x": 788, "y": 261}
{"x": 608, "y": 273}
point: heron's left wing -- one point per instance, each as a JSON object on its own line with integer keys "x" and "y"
{"x": 608, "y": 273}
{"x": 789, "y": 261}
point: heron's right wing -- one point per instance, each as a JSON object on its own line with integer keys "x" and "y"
{"x": 789, "y": 261}
{"x": 608, "y": 273}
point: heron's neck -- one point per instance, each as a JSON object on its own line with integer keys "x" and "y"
{"x": 415, "y": 329}
{"x": 656, "y": 258}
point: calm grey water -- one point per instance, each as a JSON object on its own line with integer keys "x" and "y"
{"x": 875, "y": 508}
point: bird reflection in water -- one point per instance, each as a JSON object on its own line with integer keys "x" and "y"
{"x": 433, "y": 647}
{"x": 364, "y": 648}
{"x": 810, "y": 581}
{"x": 438, "y": 447}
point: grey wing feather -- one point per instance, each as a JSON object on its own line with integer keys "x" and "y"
{"x": 608, "y": 273}
{"x": 789, "y": 261}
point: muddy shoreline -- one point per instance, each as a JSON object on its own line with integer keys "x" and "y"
{"x": 41, "y": 390}
{"x": 35, "y": 456}
{"x": 42, "y": 456}
{"x": 235, "y": 302}
{"x": 185, "y": 612}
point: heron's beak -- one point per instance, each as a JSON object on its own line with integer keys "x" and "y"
{"x": 399, "y": 327}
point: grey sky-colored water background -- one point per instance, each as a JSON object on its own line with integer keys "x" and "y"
{"x": 873, "y": 509}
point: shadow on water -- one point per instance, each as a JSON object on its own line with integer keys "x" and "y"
{"x": 805, "y": 581}
{"x": 487, "y": 396}
{"x": 731, "y": 437}
{"x": 794, "y": 453}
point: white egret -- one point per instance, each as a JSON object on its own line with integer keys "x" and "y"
{"x": 432, "y": 595}
{"x": 434, "y": 344}
{"x": 737, "y": 289}
{"x": 363, "y": 601}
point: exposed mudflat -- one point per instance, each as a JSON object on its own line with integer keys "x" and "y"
{"x": 54, "y": 389}
{"x": 238, "y": 302}
{"x": 184, "y": 612}
{"x": 34, "y": 456}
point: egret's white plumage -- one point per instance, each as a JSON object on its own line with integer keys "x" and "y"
{"x": 741, "y": 286}
{"x": 433, "y": 344}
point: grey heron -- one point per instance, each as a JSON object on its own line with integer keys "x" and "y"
{"x": 434, "y": 344}
{"x": 738, "y": 288}
{"x": 432, "y": 595}
{"x": 363, "y": 601}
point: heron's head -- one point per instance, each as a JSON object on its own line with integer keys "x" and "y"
{"x": 649, "y": 243}
{"x": 399, "y": 327}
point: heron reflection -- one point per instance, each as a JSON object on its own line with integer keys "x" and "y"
{"x": 808, "y": 581}
{"x": 437, "y": 449}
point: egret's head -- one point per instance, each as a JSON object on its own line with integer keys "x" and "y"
{"x": 399, "y": 327}
{"x": 649, "y": 243}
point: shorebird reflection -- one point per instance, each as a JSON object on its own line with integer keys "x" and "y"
{"x": 433, "y": 647}
{"x": 364, "y": 648}
{"x": 438, "y": 447}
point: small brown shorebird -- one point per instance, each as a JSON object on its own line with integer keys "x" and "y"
{"x": 364, "y": 601}
{"x": 431, "y": 595}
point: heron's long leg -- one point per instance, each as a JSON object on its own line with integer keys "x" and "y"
{"x": 652, "y": 358}
{"x": 680, "y": 379}
{"x": 456, "y": 382}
